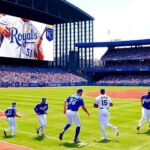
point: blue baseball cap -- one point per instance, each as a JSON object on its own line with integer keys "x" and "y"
{"x": 13, "y": 103}
{"x": 44, "y": 98}
{"x": 102, "y": 90}
{"x": 79, "y": 90}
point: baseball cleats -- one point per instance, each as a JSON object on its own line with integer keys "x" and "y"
{"x": 103, "y": 139}
{"x": 37, "y": 130}
{"x": 43, "y": 135}
{"x": 77, "y": 141}
{"x": 138, "y": 128}
{"x": 5, "y": 134}
{"x": 116, "y": 131}
{"x": 61, "y": 135}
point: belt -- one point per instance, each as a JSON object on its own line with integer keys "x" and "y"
{"x": 72, "y": 110}
{"x": 103, "y": 108}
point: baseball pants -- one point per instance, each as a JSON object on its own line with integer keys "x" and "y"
{"x": 104, "y": 122}
{"x": 12, "y": 125}
{"x": 42, "y": 120}
{"x": 145, "y": 116}
{"x": 72, "y": 116}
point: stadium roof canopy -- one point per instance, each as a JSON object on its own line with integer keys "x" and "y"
{"x": 46, "y": 11}
{"x": 114, "y": 43}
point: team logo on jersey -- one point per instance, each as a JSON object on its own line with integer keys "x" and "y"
{"x": 27, "y": 29}
{"x": 49, "y": 34}
{"x": 22, "y": 38}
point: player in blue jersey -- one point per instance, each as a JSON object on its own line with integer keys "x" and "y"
{"x": 145, "y": 102}
{"x": 41, "y": 110}
{"x": 74, "y": 102}
{"x": 10, "y": 113}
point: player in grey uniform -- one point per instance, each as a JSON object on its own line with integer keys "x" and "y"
{"x": 21, "y": 38}
{"x": 103, "y": 102}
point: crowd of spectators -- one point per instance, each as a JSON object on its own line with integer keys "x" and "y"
{"x": 128, "y": 64}
{"x": 137, "y": 78}
{"x": 36, "y": 75}
{"x": 127, "y": 54}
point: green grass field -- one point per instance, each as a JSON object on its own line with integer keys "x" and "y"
{"x": 124, "y": 114}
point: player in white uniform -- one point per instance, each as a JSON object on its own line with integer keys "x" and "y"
{"x": 11, "y": 114}
{"x": 103, "y": 102}
{"x": 21, "y": 38}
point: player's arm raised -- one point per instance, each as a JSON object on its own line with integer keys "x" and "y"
{"x": 4, "y": 31}
{"x": 40, "y": 55}
{"x": 36, "y": 110}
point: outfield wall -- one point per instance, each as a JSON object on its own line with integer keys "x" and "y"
{"x": 122, "y": 84}
{"x": 16, "y": 84}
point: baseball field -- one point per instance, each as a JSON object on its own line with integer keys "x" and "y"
{"x": 125, "y": 114}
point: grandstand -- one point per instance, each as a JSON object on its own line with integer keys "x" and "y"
{"x": 124, "y": 63}
{"x": 70, "y": 25}
{"x": 26, "y": 76}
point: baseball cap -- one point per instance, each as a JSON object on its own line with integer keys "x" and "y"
{"x": 79, "y": 90}
{"x": 43, "y": 98}
{"x": 102, "y": 90}
{"x": 13, "y": 103}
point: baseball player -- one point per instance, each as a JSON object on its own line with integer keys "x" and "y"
{"x": 20, "y": 38}
{"x": 103, "y": 102}
{"x": 10, "y": 113}
{"x": 41, "y": 111}
{"x": 145, "y": 102}
{"x": 74, "y": 102}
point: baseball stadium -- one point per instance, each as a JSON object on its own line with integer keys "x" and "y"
{"x": 47, "y": 53}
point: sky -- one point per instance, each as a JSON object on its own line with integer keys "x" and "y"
{"x": 117, "y": 19}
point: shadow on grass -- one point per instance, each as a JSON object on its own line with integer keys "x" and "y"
{"x": 147, "y": 132}
{"x": 8, "y": 137}
{"x": 38, "y": 138}
{"x": 105, "y": 141}
{"x": 72, "y": 145}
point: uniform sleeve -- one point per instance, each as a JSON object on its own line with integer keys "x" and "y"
{"x": 67, "y": 100}
{"x": 81, "y": 102}
{"x": 3, "y": 20}
{"x": 47, "y": 107}
{"x": 6, "y": 20}
{"x": 14, "y": 112}
{"x": 96, "y": 101}
{"x": 110, "y": 100}
{"x": 36, "y": 108}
